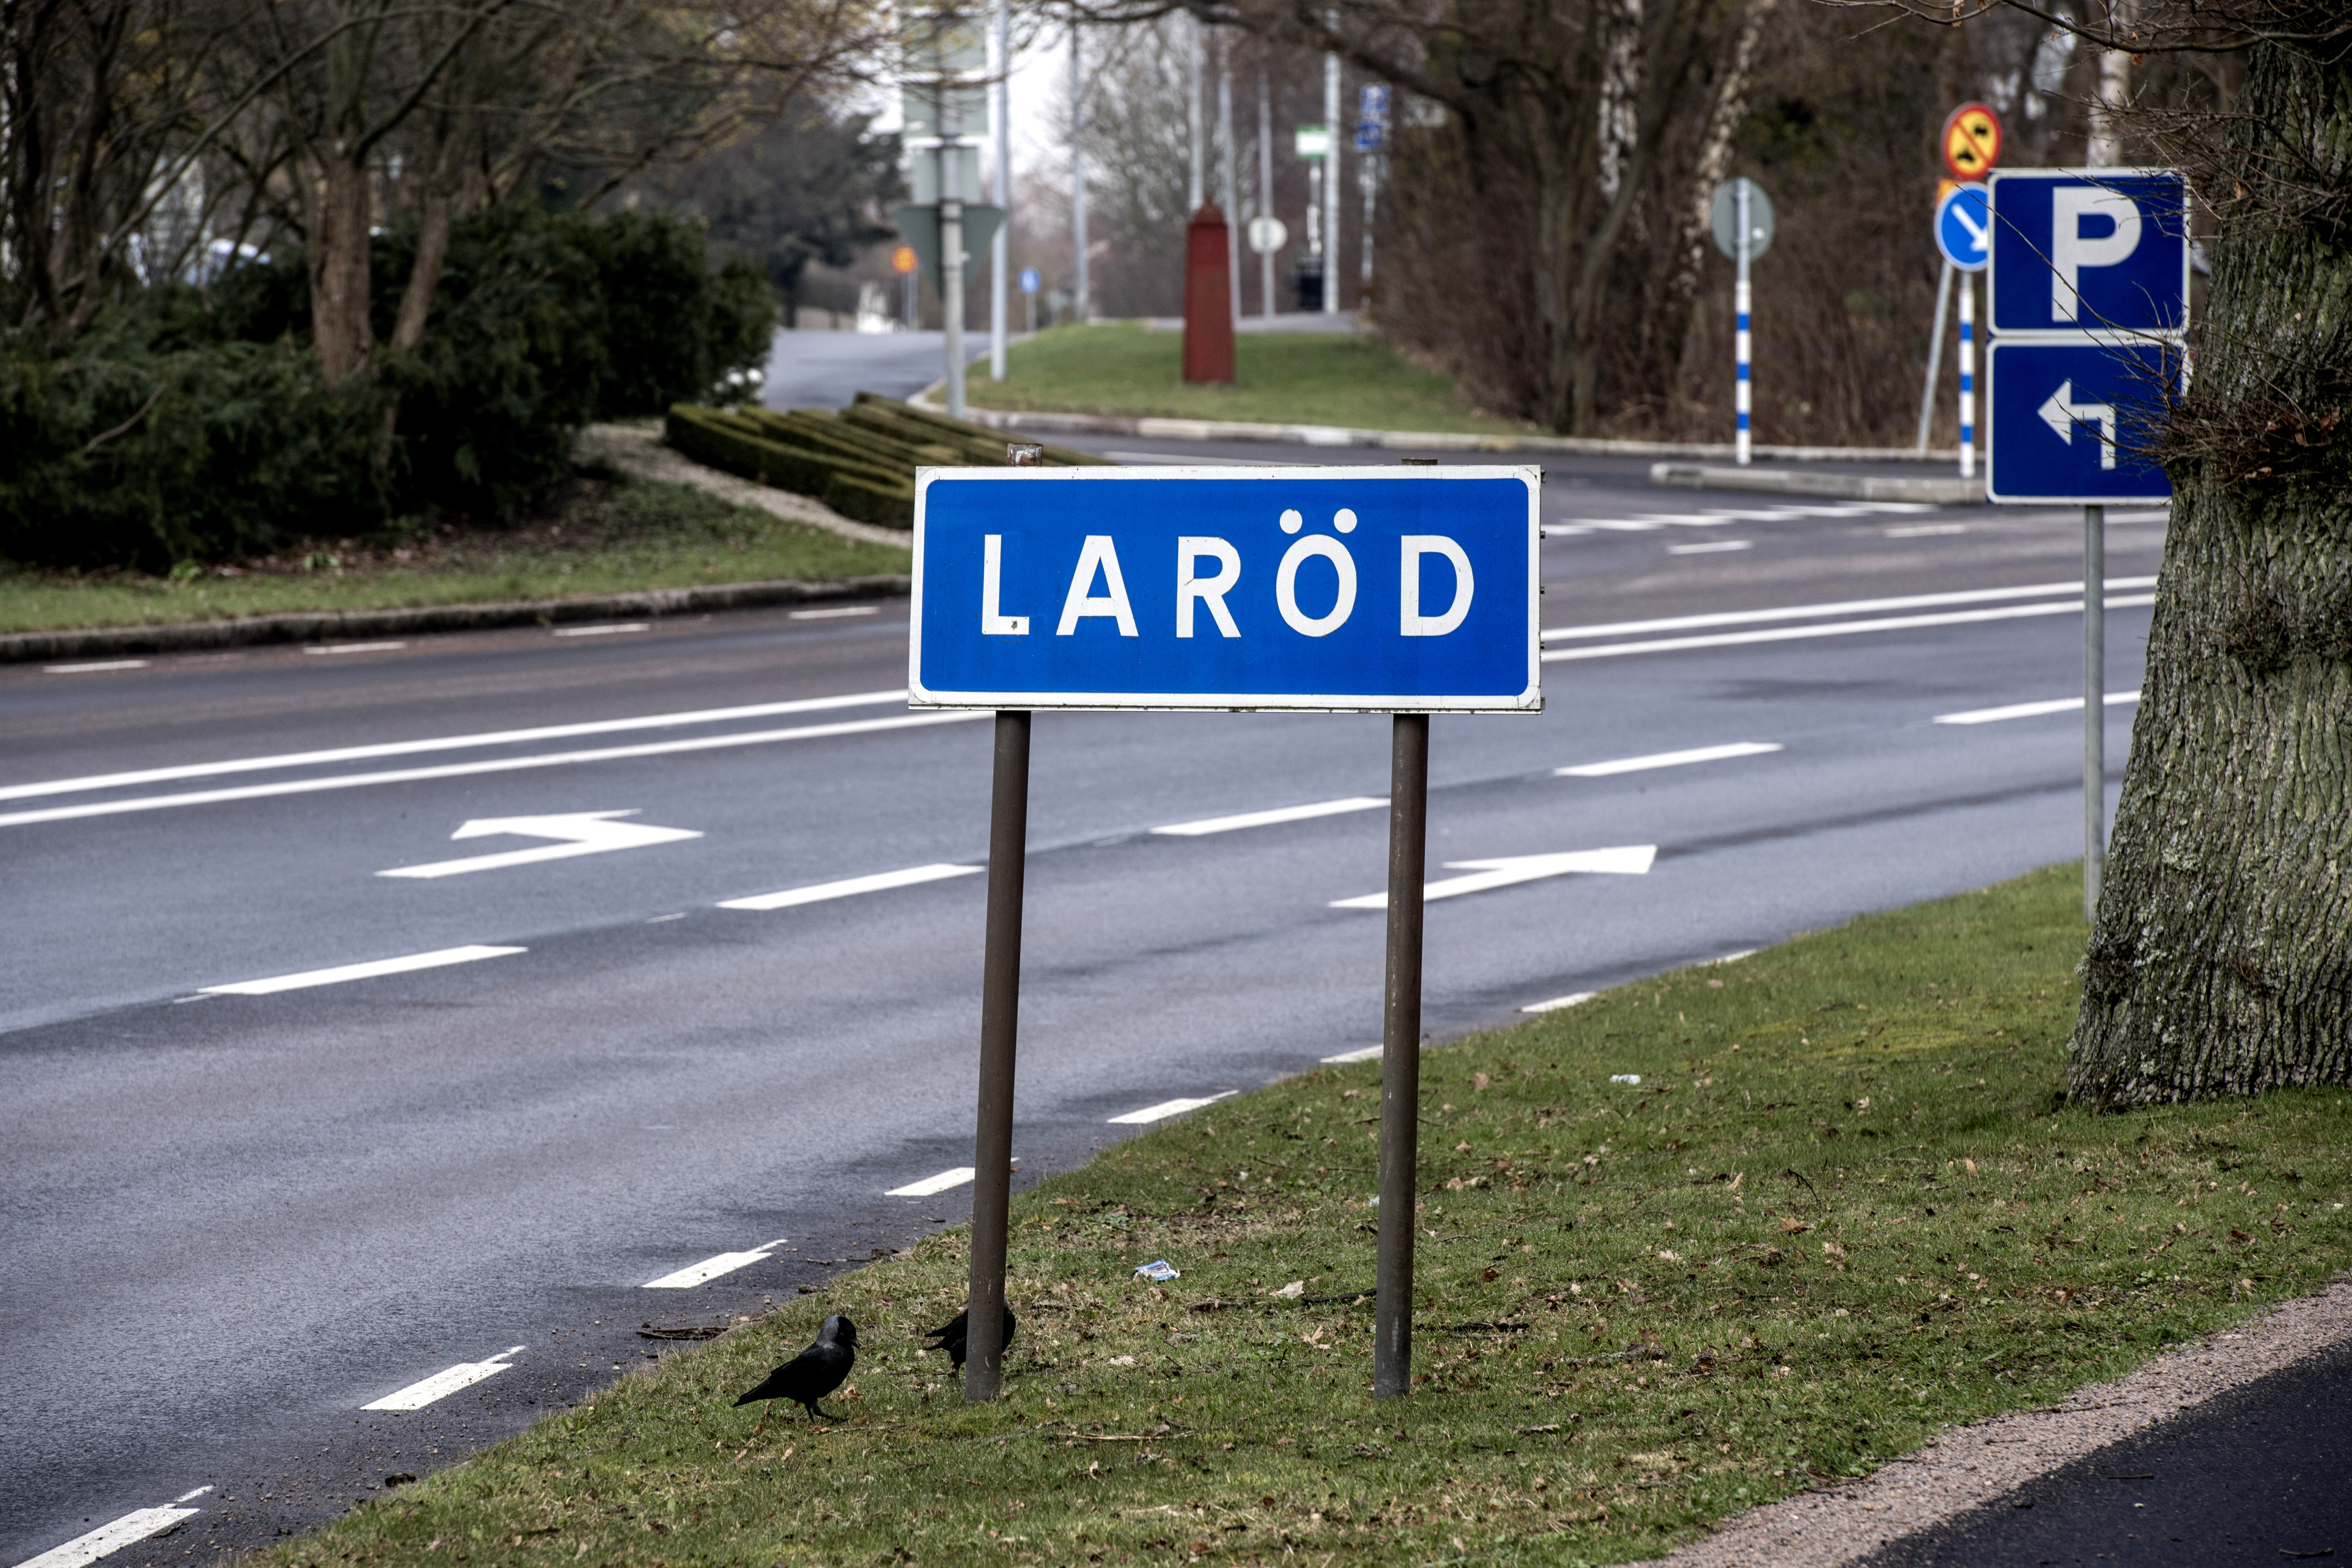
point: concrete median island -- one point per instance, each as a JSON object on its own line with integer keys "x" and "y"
{"x": 1843, "y": 1208}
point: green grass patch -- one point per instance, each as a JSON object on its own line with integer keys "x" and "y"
{"x": 591, "y": 535}
{"x": 1282, "y": 378}
{"x": 1845, "y": 1206}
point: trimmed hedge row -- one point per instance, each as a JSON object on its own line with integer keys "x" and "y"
{"x": 861, "y": 462}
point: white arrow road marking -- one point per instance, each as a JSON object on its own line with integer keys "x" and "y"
{"x": 582, "y": 832}
{"x": 1279, "y": 814}
{"x": 711, "y": 1268}
{"x": 369, "y": 971}
{"x": 2061, "y": 411}
{"x": 931, "y": 1186}
{"x": 1628, "y": 860}
{"x": 1166, "y": 1109}
{"x": 113, "y": 1536}
{"x": 1667, "y": 760}
{"x": 849, "y": 887}
{"x": 2032, "y": 710}
{"x": 442, "y": 1385}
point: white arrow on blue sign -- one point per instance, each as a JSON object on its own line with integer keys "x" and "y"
{"x": 2080, "y": 250}
{"x": 1964, "y": 227}
{"x": 1337, "y": 589}
{"x": 2070, "y": 421}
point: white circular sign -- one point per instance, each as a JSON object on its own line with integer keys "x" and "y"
{"x": 1267, "y": 235}
{"x": 1723, "y": 219}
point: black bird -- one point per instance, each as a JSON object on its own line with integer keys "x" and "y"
{"x": 952, "y": 1337}
{"x": 812, "y": 1375}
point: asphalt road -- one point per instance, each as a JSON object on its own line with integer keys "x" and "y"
{"x": 233, "y": 1220}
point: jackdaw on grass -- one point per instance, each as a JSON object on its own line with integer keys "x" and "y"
{"x": 812, "y": 1375}
{"x": 952, "y": 1337}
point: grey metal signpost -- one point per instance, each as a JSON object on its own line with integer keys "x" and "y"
{"x": 1289, "y": 617}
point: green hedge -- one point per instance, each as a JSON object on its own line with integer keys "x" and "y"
{"x": 193, "y": 425}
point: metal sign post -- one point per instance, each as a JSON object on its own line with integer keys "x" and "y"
{"x": 2088, "y": 298}
{"x": 1964, "y": 233}
{"x": 1407, "y": 591}
{"x": 1740, "y": 217}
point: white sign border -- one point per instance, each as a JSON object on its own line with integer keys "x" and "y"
{"x": 1529, "y": 699}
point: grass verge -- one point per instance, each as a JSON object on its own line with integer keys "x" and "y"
{"x": 1844, "y": 1206}
{"x": 1283, "y": 378}
{"x": 590, "y": 535}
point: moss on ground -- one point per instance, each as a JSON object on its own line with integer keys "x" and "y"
{"x": 591, "y": 535}
{"x": 1845, "y": 1206}
{"x": 1281, "y": 378}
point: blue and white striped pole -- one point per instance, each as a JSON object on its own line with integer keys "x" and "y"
{"x": 1967, "y": 375}
{"x": 1739, "y": 304}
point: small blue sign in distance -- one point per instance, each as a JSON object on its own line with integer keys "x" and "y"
{"x": 1964, "y": 227}
{"x": 1316, "y": 589}
{"x": 2089, "y": 251}
{"x": 1028, "y": 280}
{"x": 2071, "y": 422}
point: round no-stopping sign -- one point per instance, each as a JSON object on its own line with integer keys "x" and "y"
{"x": 903, "y": 259}
{"x": 1971, "y": 142}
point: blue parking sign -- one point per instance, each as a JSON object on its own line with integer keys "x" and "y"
{"x": 2072, "y": 421}
{"x": 2082, "y": 251}
{"x": 1331, "y": 589}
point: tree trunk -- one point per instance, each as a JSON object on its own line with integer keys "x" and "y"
{"x": 342, "y": 205}
{"x": 2221, "y": 963}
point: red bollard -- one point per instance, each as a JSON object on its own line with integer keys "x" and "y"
{"x": 1208, "y": 299}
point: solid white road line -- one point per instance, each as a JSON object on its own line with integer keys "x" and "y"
{"x": 85, "y": 669}
{"x": 1736, "y": 957}
{"x": 112, "y": 1536}
{"x": 500, "y": 765}
{"x": 1719, "y": 545}
{"x": 931, "y": 1186}
{"x": 1835, "y": 629}
{"x": 1279, "y": 814}
{"x": 1667, "y": 760}
{"x": 1627, "y": 860}
{"x": 342, "y": 973}
{"x": 353, "y": 647}
{"x": 849, "y": 887}
{"x": 1361, "y": 1053}
{"x": 836, "y": 612}
{"x": 1556, "y": 1002}
{"x": 442, "y": 1385}
{"x": 602, "y": 631}
{"x": 2032, "y": 710}
{"x": 1166, "y": 1109}
{"x": 711, "y": 1268}
{"x": 438, "y": 743}
{"x": 1839, "y": 608}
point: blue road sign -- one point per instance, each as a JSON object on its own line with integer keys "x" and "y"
{"x": 1028, "y": 280}
{"x": 1964, "y": 227}
{"x": 2070, "y": 421}
{"x": 2080, "y": 250}
{"x": 1385, "y": 590}
{"x": 1369, "y": 134}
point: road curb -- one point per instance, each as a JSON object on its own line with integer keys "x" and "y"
{"x": 1155, "y": 429}
{"x": 1954, "y": 491}
{"x": 191, "y": 637}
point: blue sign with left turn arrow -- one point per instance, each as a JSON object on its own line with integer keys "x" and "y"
{"x": 1387, "y": 590}
{"x": 2073, "y": 423}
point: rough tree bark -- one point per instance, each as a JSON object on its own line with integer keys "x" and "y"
{"x": 2221, "y": 961}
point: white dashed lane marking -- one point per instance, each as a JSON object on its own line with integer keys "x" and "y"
{"x": 342, "y": 973}
{"x": 444, "y": 1384}
{"x": 850, "y": 886}
{"x": 2032, "y": 710}
{"x": 1166, "y": 1109}
{"x": 1667, "y": 760}
{"x": 90, "y": 668}
{"x": 931, "y": 1186}
{"x": 1279, "y": 814}
{"x": 1836, "y": 608}
{"x": 115, "y": 1534}
{"x": 1554, "y": 1004}
{"x": 353, "y": 647}
{"x": 602, "y": 631}
{"x": 1361, "y": 1053}
{"x": 711, "y": 1268}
